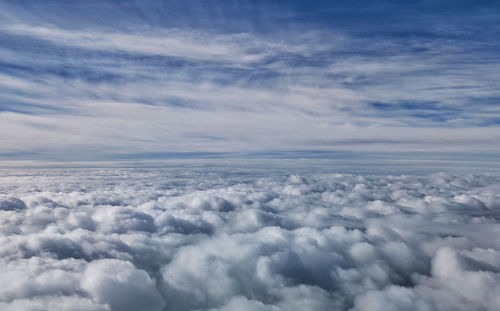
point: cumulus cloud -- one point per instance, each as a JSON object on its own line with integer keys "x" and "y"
{"x": 121, "y": 285}
{"x": 130, "y": 239}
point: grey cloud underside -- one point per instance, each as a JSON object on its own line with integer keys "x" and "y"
{"x": 220, "y": 239}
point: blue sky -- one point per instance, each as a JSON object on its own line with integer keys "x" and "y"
{"x": 104, "y": 79}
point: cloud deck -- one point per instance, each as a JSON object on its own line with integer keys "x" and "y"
{"x": 130, "y": 239}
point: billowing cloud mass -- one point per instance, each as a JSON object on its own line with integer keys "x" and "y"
{"x": 220, "y": 239}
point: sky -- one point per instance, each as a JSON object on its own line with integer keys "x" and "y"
{"x": 130, "y": 79}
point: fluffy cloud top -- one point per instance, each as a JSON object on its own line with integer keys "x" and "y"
{"x": 145, "y": 239}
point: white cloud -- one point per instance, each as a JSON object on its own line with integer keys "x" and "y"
{"x": 120, "y": 239}
{"x": 233, "y": 48}
{"x": 121, "y": 285}
{"x": 179, "y": 90}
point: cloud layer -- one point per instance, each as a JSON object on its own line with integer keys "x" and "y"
{"x": 219, "y": 239}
